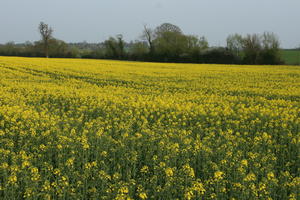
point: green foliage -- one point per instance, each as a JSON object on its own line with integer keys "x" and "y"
{"x": 290, "y": 57}
{"x": 167, "y": 27}
{"x": 255, "y": 48}
{"x": 114, "y": 47}
{"x": 138, "y": 50}
{"x": 235, "y": 44}
{"x": 170, "y": 45}
{"x": 165, "y": 43}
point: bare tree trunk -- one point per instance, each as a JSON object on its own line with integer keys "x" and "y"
{"x": 148, "y": 36}
{"x": 46, "y": 49}
{"x": 46, "y": 34}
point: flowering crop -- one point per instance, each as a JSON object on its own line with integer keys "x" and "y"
{"x": 90, "y": 129}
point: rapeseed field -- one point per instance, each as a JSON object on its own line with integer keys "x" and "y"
{"x": 98, "y": 129}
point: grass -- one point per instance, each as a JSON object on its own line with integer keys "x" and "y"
{"x": 291, "y": 57}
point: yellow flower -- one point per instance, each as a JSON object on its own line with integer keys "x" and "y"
{"x": 4, "y": 165}
{"x": 250, "y": 177}
{"x": 42, "y": 147}
{"x": 145, "y": 169}
{"x": 219, "y": 175}
{"x": 169, "y": 171}
{"x": 123, "y": 190}
{"x": 28, "y": 193}
{"x": 198, "y": 187}
{"x": 25, "y": 164}
{"x": 104, "y": 153}
{"x": 262, "y": 187}
{"x": 34, "y": 170}
{"x": 162, "y": 164}
{"x": 245, "y": 163}
{"x": 188, "y": 170}
{"x": 270, "y": 176}
{"x": 188, "y": 195}
{"x": 292, "y": 196}
{"x": 70, "y": 162}
{"x": 237, "y": 185}
{"x": 46, "y": 186}
{"x": 56, "y": 172}
{"x": 143, "y": 129}
{"x": 143, "y": 195}
{"x": 12, "y": 179}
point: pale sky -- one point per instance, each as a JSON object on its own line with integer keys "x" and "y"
{"x": 96, "y": 20}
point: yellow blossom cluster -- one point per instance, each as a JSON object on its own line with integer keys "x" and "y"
{"x": 100, "y": 129}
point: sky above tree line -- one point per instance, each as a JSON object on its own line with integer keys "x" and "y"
{"x": 96, "y": 20}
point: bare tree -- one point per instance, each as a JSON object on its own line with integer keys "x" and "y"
{"x": 235, "y": 44}
{"x": 270, "y": 41}
{"x": 46, "y": 34}
{"x": 148, "y": 35}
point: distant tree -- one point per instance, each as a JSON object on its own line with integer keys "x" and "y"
{"x": 138, "y": 50}
{"x": 255, "y": 48}
{"x": 219, "y": 55}
{"x": 111, "y": 48}
{"x": 59, "y": 49}
{"x": 270, "y": 41}
{"x": 28, "y": 49}
{"x": 115, "y": 47}
{"x": 167, "y": 27}
{"x": 121, "y": 46}
{"x": 167, "y": 42}
{"x": 148, "y": 36}
{"x": 194, "y": 43}
{"x": 170, "y": 43}
{"x": 235, "y": 44}
{"x": 270, "y": 53}
{"x": 10, "y": 49}
{"x": 194, "y": 47}
{"x": 251, "y": 48}
{"x": 46, "y": 34}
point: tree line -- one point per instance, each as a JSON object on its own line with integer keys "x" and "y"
{"x": 165, "y": 43}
